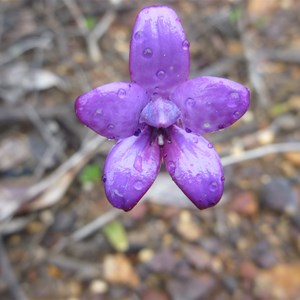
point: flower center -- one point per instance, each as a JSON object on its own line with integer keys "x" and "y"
{"x": 160, "y": 113}
{"x": 161, "y": 134}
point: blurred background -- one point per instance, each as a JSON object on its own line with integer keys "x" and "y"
{"x": 60, "y": 239}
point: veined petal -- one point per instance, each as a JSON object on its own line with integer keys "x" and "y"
{"x": 112, "y": 110}
{"x": 210, "y": 103}
{"x": 130, "y": 169}
{"x": 195, "y": 167}
{"x": 159, "y": 50}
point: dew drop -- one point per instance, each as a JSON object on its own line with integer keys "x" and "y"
{"x": 188, "y": 130}
{"x": 160, "y": 74}
{"x": 118, "y": 193}
{"x": 104, "y": 178}
{"x": 137, "y": 132}
{"x": 121, "y": 93}
{"x": 171, "y": 68}
{"x": 98, "y": 112}
{"x": 156, "y": 90}
{"x": 206, "y": 125}
{"x": 209, "y": 145}
{"x": 233, "y": 100}
{"x": 213, "y": 186}
{"x": 235, "y": 95}
{"x": 171, "y": 167}
{"x": 185, "y": 45}
{"x": 138, "y": 164}
{"x": 82, "y": 101}
{"x": 147, "y": 53}
{"x": 138, "y": 185}
{"x": 110, "y": 126}
{"x": 199, "y": 177}
{"x": 190, "y": 102}
{"x": 195, "y": 140}
{"x": 236, "y": 114}
{"x": 138, "y": 35}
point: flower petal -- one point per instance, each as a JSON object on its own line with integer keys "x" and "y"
{"x": 159, "y": 50}
{"x": 195, "y": 167}
{"x": 130, "y": 169}
{"x": 210, "y": 103}
{"x": 112, "y": 110}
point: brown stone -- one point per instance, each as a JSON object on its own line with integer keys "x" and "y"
{"x": 245, "y": 203}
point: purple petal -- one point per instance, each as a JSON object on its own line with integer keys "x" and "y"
{"x": 195, "y": 167}
{"x": 159, "y": 50}
{"x": 130, "y": 169}
{"x": 210, "y": 103}
{"x": 112, "y": 110}
{"x": 160, "y": 113}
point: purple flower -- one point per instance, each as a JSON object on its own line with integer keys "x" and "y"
{"x": 161, "y": 115}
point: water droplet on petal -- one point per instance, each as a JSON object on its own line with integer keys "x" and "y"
{"x": 236, "y": 114}
{"x": 171, "y": 167}
{"x": 233, "y": 100}
{"x": 235, "y": 95}
{"x": 160, "y": 74}
{"x": 213, "y": 186}
{"x": 83, "y": 101}
{"x": 188, "y": 130}
{"x": 137, "y": 132}
{"x": 138, "y": 164}
{"x": 209, "y": 145}
{"x": 185, "y": 45}
{"x": 206, "y": 125}
{"x": 98, "y": 112}
{"x": 190, "y": 102}
{"x": 121, "y": 93}
{"x": 199, "y": 177}
{"x": 104, "y": 178}
{"x": 138, "y": 35}
{"x": 156, "y": 90}
{"x": 118, "y": 193}
{"x": 147, "y": 53}
{"x": 110, "y": 126}
{"x": 195, "y": 140}
{"x": 138, "y": 185}
{"x": 171, "y": 68}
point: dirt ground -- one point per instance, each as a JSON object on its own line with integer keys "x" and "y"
{"x": 60, "y": 238}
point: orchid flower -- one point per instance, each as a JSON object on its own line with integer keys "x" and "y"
{"x": 161, "y": 115}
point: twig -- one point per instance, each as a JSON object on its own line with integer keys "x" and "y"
{"x": 89, "y": 229}
{"x": 53, "y": 143}
{"x": 9, "y": 276}
{"x": 84, "y": 270}
{"x": 77, "y": 16}
{"x": 43, "y": 41}
{"x": 287, "y": 55}
{"x": 254, "y": 66}
{"x": 52, "y": 188}
{"x": 219, "y": 68}
{"x": 97, "y": 32}
{"x": 260, "y": 152}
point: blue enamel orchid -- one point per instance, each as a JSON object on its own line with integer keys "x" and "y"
{"x": 161, "y": 115}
